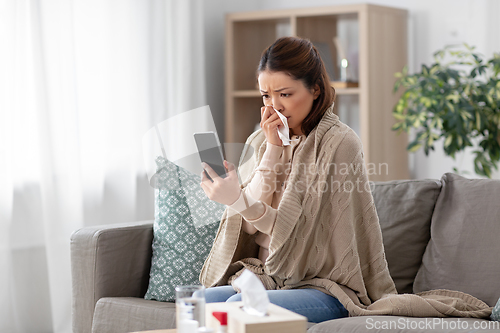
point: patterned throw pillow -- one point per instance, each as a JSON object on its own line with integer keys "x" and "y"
{"x": 180, "y": 246}
{"x": 495, "y": 314}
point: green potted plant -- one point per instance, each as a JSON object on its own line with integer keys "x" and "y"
{"x": 456, "y": 98}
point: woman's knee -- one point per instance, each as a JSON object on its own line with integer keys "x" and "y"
{"x": 234, "y": 298}
{"x": 218, "y": 294}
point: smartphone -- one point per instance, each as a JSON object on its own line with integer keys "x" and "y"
{"x": 210, "y": 151}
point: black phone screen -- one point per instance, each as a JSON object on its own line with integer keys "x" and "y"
{"x": 210, "y": 152}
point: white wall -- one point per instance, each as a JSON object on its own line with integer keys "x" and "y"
{"x": 215, "y": 11}
{"x": 432, "y": 25}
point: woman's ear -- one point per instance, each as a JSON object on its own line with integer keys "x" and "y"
{"x": 316, "y": 91}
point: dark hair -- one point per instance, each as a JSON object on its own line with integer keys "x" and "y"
{"x": 299, "y": 58}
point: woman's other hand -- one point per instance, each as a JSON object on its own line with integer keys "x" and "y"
{"x": 222, "y": 190}
{"x": 270, "y": 123}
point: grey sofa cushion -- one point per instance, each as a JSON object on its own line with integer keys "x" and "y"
{"x": 128, "y": 314}
{"x": 108, "y": 261}
{"x": 463, "y": 251}
{"x": 397, "y": 324}
{"x": 405, "y": 209}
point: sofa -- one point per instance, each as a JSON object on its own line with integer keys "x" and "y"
{"x": 438, "y": 234}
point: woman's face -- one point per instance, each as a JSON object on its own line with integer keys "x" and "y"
{"x": 288, "y": 96}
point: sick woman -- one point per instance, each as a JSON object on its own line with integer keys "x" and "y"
{"x": 309, "y": 232}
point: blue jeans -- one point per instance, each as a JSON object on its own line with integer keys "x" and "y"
{"x": 311, "y": 303}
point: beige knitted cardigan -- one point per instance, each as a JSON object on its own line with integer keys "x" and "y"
{"x": 327, "y": 234}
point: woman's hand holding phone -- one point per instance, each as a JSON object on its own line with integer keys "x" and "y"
{"x": 270, "y": 122}
{"x": 222, "y": 190}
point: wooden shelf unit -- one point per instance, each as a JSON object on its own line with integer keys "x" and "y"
{"x": 377, "y": 41}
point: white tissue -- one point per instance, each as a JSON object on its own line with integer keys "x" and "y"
{"x": 283, "y": 132}
{"x": 253, "y": 293}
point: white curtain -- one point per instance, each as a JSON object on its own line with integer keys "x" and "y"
{"x": 81, "y": 81}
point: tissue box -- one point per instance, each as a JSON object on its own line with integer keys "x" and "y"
{"x": 278, "y": 319}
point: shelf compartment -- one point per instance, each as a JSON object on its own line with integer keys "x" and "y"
{"x": 246, "y": 117}
{"x": 250, "y": 39}
{"x": 321, "y": 30}
{"x": 347, "y": 108}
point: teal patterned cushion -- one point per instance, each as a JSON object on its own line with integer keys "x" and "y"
{"x": 180, "y": 246}
{"x": 495, "y": 314}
